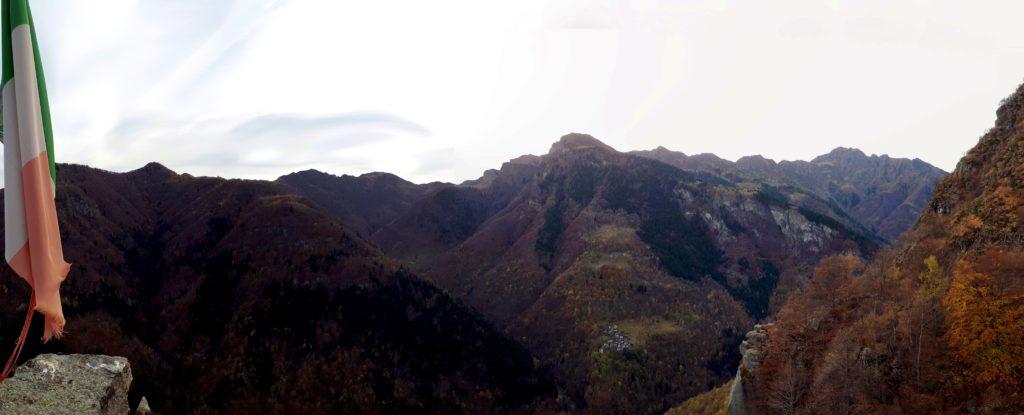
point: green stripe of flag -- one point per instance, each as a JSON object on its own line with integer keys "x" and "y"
{"x": 8, "y": 58}
{"x": 19, "y": 13}
{"x": 16, "y": 13}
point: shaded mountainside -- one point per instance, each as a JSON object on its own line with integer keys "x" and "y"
{"x": 630, "y": 279}
{"x": 884, "y": 194}
{"x": 232, "y": 296}
{"x": 364, "y": 203}
{"x": 934, "y": 326}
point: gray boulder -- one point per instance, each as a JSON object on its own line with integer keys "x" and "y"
{"x": 68, "y": 384}
{"x": 143, "y": 408}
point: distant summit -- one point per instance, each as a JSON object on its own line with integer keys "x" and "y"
{"x": 841, "y": 153}
{"x": 153, "y": 170}
{"x": 756, "y": 162}
{"x": 577, "y": 141}
{"x": 364, "y": 203}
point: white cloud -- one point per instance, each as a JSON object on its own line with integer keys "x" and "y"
{"x": 176, "y": 81}
{"x": 263, "y": 146}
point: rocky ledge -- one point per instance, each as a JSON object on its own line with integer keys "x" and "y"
{"x": 68, "y": 384}
{"x": 752, "y": 350}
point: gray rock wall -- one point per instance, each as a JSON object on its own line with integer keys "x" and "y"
{"x": 752, "y": 350}
{"x": 68, "y": 384}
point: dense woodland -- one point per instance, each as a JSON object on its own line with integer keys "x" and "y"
{"x": 231, "y": 296}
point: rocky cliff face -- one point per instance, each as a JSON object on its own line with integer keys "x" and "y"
{"x": 884, "y": 194}
{"x": 68, "y": 384}
{"x": 752, "y": 353}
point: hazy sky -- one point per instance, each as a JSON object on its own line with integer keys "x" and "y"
{"x": 442, "y": 90}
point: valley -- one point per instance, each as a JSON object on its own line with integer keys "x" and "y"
{"x": 606, "y": 264}
{"x": 583, "y": 280}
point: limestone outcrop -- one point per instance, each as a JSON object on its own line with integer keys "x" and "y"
{"x": 752, "y": 350}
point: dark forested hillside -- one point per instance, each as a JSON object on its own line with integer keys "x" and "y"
{"x": 365, "y": 203}
{"x": 231, "y": 296}
{"x": 932, "y": 326}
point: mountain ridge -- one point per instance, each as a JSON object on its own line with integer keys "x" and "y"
{"x": 898, "y": 206}
{"x": 235, "y": 296}
{"x": 883, "y": 193}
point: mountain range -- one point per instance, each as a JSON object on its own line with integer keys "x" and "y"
{"x": 607, "y": 264}
{"x": 882, "y": 193}
{"x": 583, "y": 280}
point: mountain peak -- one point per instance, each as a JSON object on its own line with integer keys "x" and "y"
{"x": 756, "y": 160}
{"x": 384, "y": 177}
{"x": 154, "y": 170}
{"x": 308, "y": 174}
{"x": 154, "y": 166}
{"x": 841, "y": 153}
{"x": 577, "y": 141}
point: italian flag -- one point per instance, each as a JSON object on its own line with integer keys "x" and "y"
{"x": 32, "y": 237}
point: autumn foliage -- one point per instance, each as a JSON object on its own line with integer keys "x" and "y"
{"x": 986, "y": 323}
{"x": 933, "y": 325}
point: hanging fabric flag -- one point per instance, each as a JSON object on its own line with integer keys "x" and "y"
{"x": 32, "y": 237}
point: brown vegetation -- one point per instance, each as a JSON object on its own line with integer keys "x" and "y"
{"x": 933, "y": 326}
{"x": 712, "y": 402}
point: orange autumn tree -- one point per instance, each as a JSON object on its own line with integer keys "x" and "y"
{"x": 986, "y": 325}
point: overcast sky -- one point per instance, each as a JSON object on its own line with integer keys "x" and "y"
{"x": 443, "y": 90}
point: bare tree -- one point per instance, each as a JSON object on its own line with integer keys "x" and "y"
{"x": 786, "y": 391}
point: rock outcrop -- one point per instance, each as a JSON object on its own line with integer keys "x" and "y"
{"x": 882, "y": 193}
{"x": 68, "y": 384}
{"x": 143, "y": 408}
{"x": 752, "y": 350}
